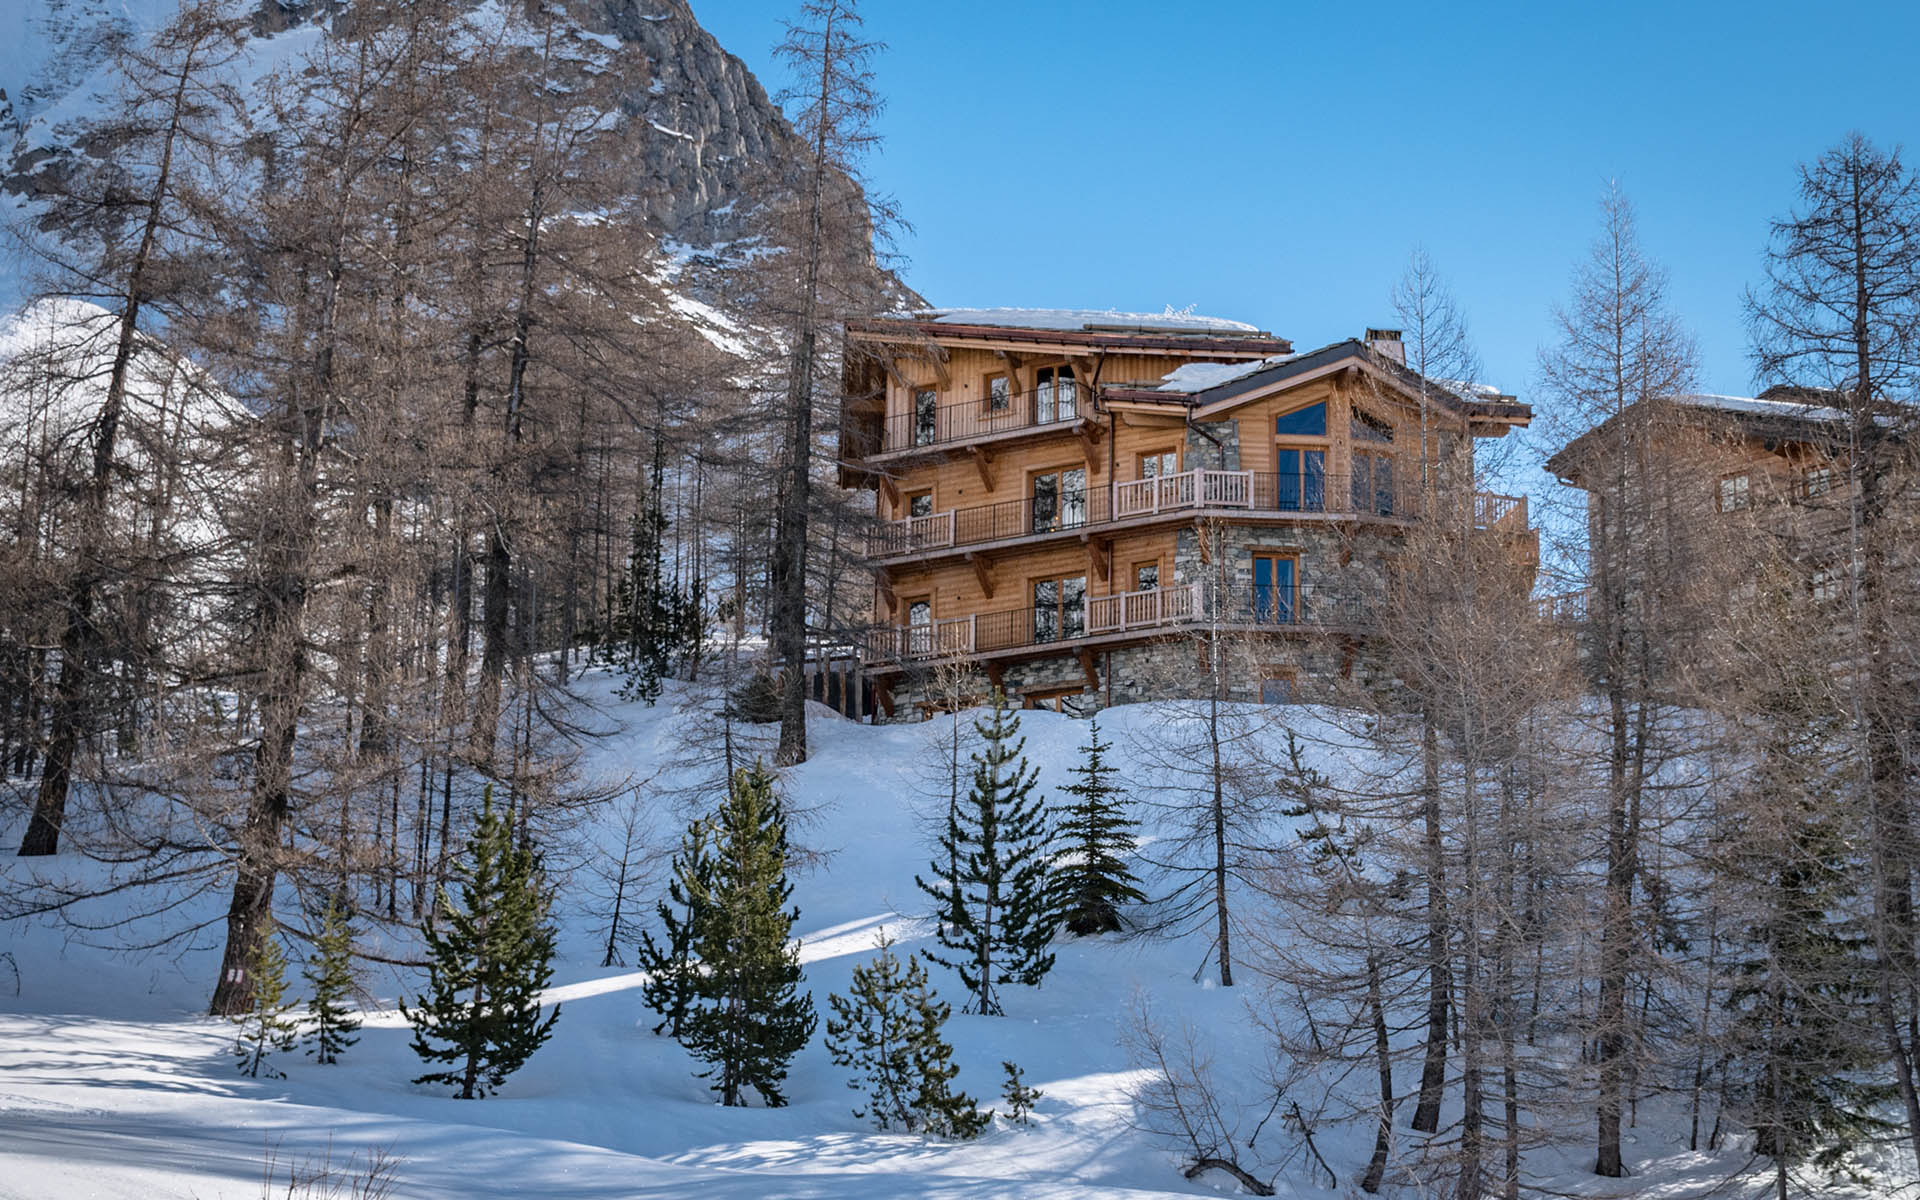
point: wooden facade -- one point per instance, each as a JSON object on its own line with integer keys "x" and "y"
{"x": 1037, "y": 490}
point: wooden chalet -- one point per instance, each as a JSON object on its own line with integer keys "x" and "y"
{"x": 1042, "y": 480}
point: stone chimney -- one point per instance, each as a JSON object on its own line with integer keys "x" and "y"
{"x": 1387, "y": 343}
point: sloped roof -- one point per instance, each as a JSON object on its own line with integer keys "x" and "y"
{"x": 1088, "y": 320}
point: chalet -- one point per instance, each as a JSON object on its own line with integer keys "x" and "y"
{"x": 1773, "y": 463}
{"x": 1061, "y": 495}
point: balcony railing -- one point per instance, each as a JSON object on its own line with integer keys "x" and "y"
{"x": 1184, "y": 606}
{"x": 965, "y": 420}
{"x": 1247, "y": 491}
{"x": 1494, "y": 511}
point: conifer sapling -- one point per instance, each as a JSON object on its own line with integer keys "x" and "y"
{"x": 269, "y": 1025}
{"x": 872, "y": 1033}
{"x": 1019, "y": 1097}
{"x": 1092, "y": 875}
{"x": 330, "y": 1019}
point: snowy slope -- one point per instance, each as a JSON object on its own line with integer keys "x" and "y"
{"x": 111, "y": 1084}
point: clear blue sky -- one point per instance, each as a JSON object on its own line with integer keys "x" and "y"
{"x": 1275, "y": 162}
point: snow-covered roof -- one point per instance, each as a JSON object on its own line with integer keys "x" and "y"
{"x": 1076, "y": 320}
{"x": 1188, "y": 378}
{"x": 1756, "y": 407}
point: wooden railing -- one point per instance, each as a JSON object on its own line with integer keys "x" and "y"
{"x": 1491, "y": 510}
{"x": 1188, "y": 489}
{"x": 1143, "y": 609}
{"x": 964, "y": 420}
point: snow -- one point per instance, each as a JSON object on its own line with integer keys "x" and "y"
{"x": 1754, "y": 406}
{"x": 113, "y": 1085}
{"x": 1081, "y": 319}
{"x": 1188, "y": 378}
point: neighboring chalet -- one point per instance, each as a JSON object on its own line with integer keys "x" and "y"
{"x": 1051, "y": 488}
{"x": 1774, "y": 463}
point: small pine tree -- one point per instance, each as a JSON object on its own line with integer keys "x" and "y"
{"x": 669, "y": 989}
{"x": 872, "y": 1033}
{"x": 1019, "y": 1097}
{"x": 1092, "y": 875}
{"x": 329, "y": 972}
{"x": 489, "y": 959}
{"x": 994, "y": 903}
{"x": 269, "y": 1025}
{"x": 941, "y": 1111}
{"x": 749, "y": 1016}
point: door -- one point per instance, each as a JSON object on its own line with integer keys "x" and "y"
{"x": 1053, "y": 395}
{"x": 1275, "y": 589}
{"x": 926, "y": 410}
{"x": 1059, "y": 608}
{"x": 1302, "y": 478}
{"x": 1060, "y": 500}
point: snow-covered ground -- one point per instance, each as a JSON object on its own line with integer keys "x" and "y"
{"x": 113, "y": 1085}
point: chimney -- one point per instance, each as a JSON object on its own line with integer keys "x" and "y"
{"x": 1387, "y": 343}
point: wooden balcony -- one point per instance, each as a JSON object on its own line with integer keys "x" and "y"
{"x": 1133, "y": 503}
{"x": 1115, "y": 619}
{"x": 1055, "y": 409}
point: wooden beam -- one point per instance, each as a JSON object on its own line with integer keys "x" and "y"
{"x": 983, "y": 463}
{"x": 894, "y": 374}
{"x": 1086, "y": 665}
{"x": 890, "y": 490}
{"x": 1013, "y": 365}
{"x": 996, "y": 676}
{"x": 982, "y": 571}
{"x": 884, "y": 694}
{"x": 1097, "y": 558}
{"x": 1090, "y": 445}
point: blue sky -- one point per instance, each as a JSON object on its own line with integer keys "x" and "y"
{"x": 1277, "y": 162}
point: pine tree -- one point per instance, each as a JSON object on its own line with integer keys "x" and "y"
{"x": 330, "y": 974}
{"x": 748, "y": 1018}
{"x": 669, "y": 989}
{"x": 1802, "y": 990}
{"x": 650, "y": 618}
{"x": 489, "y": 959}
{"x": 995, "y": 905}
{"x": 268, "y": 1026}
{"x": 873, "y": 1033}
{"x": 941, "y": 1111}
{"x": 1092, "y": 877}
{"x": 1020, "y": 1098}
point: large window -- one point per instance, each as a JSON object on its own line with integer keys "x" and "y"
{"x": 1276, "y": 589}
{"x": 1060, "y": 499}
{"x": 1310, "y": 421}
{"x": 1059, "y": 608}
{"x": 1053, "y": 395}
{"x": 1301, "y": 478}
{"x": 926, "y": 409}
{"x": 1372, "y": 442}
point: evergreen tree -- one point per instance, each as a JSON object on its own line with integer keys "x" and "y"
{"x": 1092, "y": 876}
{"x": 267, "y": 1026}
{"x": 940, "y": 1110}
{"x": 748, "y": 1018}
{"x": 650, "y": 618}
{"x": 1020, "y": 1098}
{"x": 873, "y": 1033}
{"x": 669, "y": 989}
{"x": 489, "y": 959}
{"x": 1799, "y": 1060}
{"x": 330, "y": 1021}
{"x": 994, "y": 902}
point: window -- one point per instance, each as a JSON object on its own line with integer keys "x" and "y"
{"x": 1373, "y": 482}
{"x": 1146, "y": 576}
{"x": 1060, "y": 700}
{"x": 1060, "y": 499}
{"x": 920, "y": 626}
{"x": 926, "y": 408}
{"x": 1054, "y": 398}
{"x": 1301, "y": 478}
{"x": 1816, "y": 481}
{"x": 1059, "y": 608}
{"x": 1159, "y": 464}
{"x": 1310, "y": 421}
{"x": 1826, "y": 584}
{"x": 1276, "y": 589}
{"x": 999, "y": 394}
{"x": 1277, "y": 685}
{"x": 1736, "y": 493}
{"x": 920, "y": 504}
